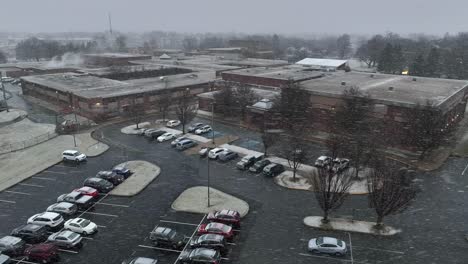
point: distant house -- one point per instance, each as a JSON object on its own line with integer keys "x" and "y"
{"x": 330, "y": 64}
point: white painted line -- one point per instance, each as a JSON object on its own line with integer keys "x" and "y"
{"x": 158, "y": 248}
{"x": 384, "y": 250}
{"x": 87, "y": 238}
{"x": 23, "y": 261}
{"x": 23, "y": 193}
{"x": 232, "y": 244}
{"x": 5, "y": 201}
{"x": 56, "y": 172}
{"x": 191, "y": 237}
{"x": 68, "y": 251}
{"x": 337, "y": 259}
{"x": 350, "y": 247}
{"x": 101, "y": 226}
{"x": 92, "y": 213}
{"x": 32, "y": 185}
{"x": 463, "y": 172}
{"x": 41, "y": 178}
{"x": 118, "y": 205}
{"x": 224, "y": 258}
{"x": 174, "y": 222}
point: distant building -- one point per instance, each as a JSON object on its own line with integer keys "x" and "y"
{"x": 327, "y": 64}
{"x": 112, "y": 59}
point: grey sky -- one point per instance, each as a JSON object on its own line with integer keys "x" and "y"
{"x": 250, "y": 16}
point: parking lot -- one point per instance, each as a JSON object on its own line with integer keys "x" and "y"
{"x": 272, "y": 232}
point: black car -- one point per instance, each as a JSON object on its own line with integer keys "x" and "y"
{"x": 110, "y": 176}
{"x": 194, "y": 127}
{"x": 216, "y": 242}
{"x": 259, "y": 165}
{"x": 12, "y": 246}
{"x": 99, "y": 184}
{"x": 155, "y": 134}
{"x": 121, "y": 170}
{"x": 273, "y": 169}
{"x": 200, "y": 255}
{"x": 247, "y": 161}
{"x": 31, "y": 233}
{"x": 167, "y": 237}
{"x": 227, "y": 155}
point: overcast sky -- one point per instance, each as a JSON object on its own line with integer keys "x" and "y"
{"x": 249, "y": 16}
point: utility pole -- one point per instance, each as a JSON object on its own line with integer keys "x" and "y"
{"x": 212, "y": 122}
{"x": 58, "y": 107}
{"x": 74, "y": 132}
{"x": 4, "y": 95}
{"x": 208, "y": 173}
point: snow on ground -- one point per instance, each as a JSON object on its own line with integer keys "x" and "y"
{"x": 132, "y": 130}
{"x": 350, "y": 226}
{"x": 143, "y": 174}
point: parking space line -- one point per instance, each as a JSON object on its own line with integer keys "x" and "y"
{"x": 32, "y": 185}
{"x": 384, "y": 250}
{"x": 110, "y": 215}
{"x": 117, "y": 205}
{"x": 23, "y": 261}
{"x": 224, "y": 259}
{"x": 87, "y": 238}
{"x": 232, "y": 244}
{"x": 158, "y": 248}
{"x": 57, "y": 172}
{"x": 68, "y": 251}
{"x": 5, "y": 201}
{"x": 101, "y": 226}
{"x": 191, "y": 237}
{"x": 41, "y": 178}
{"x": 337, "y": 259}
{"x": 23, "y": 193}
{"x": 174, "y": 222}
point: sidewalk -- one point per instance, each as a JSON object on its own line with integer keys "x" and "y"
{"x": 11, "y": 116}
{"x": 20, "y": 165}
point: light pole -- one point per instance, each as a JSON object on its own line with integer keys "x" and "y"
{"x": 4, "y": 95}
{"x": 212, "y": 123}
{"x": 74, "y": 132}
{"x": 208, "y": 173}
{"x": 56, "y": 112}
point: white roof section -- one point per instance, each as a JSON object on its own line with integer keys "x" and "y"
{"x": 329, "y": 63}
{"x": 164, "y": 57}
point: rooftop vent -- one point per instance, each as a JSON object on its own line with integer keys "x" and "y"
{"x": 390, "y": 88}
{"x": 343, "y": 83}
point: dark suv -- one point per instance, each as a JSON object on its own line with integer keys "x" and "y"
{"x": 247, "y": 161}
{"x": 43, "y": 253}
{"x": 31, "y": 233}
{"x": 212, "y": 241}
{"x": 110, "y": 176}
{"x": 273, "y": 170}
{"x": 99, "y": 184}
{"x": 259, "y": 165}
{"x": 166, "y": 237}
{"x": 12, "y": 246}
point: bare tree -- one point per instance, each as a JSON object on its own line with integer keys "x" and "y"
{"x": 292, "y": 106}
{"x": 292, "y": 148}
{"x": 330, "y": 188}
{"x": 136, "y": 112}
{"x": 390, "y": 191}
{"x": 268, "y": 139}
{"x": 163, "y": 103}
{"x": 244, "y": 97}
{"x": 186, "y": 108}
{"x": 225, "y": 100}
{"x": 343, "y": 45}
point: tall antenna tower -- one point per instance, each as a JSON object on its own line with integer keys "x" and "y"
{"x": 110, "y": 23}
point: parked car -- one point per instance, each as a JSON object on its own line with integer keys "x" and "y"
{"x": 216, "y": 228}
{"x": 7, "y": 79}
{"x": 81, "y": 226}
{"x": 259, "y": 165}
{"x": 199, "y": 256}
{"x": 66, "y": 239}
{"x": 194, "y": 127}
{"x": 101, "y": 185}
{"x": 4, "y": 259}
{"x": 81, "y": 200}
{"x": 155, "y": 134}
{"x": 172, "y": 123}
{"x": 49, "y": 219}
{"x": 141, "y": 131}
{"x": 227, "y": 155}
{"x": 204, "y": 151}
{"x": 273, "y": 169}
{"x": 140, "y": 260}
{"x": 229, "y": 217}
{"x": 323, "y": 161}
{"x": 85, "y": 190}
{"x": 63, "y": 208}
{"x": 167, "y": 237}
{"x": 328, "y": 245}
{"x": 177, "y": 140}
{"x": 111, "y": 177}
{"x": 42, "y": 253}
{"x": 340, "y": 164}
{"x": 214, "y": 153}
{"x": 216, "y": 242}
{"x": 12, "y": 246}
{"x": 166, "y": 136}
{"x": 122, "y": 170}
{"x": 203, "y": 130}
{"x": 185, "y": 144}
{"x": 149, "y": 131}
{"x": 31, "y": 233}
{"x": 247, "y": 161}
{"x": 73, "y": 155}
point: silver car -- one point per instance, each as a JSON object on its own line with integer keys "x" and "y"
{"x": 63, "y": 208}
{"x": 328, "y": 245}
{"x": 140, "y": 260}
{"x": 67, "y": 239}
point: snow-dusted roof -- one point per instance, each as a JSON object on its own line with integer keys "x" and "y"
{"x": 164, "y": 57}
{"x": 263, "y": 104}
{"x": 322, "y": 62}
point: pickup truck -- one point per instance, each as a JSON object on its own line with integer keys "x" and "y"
{"x": 81, "y": 200}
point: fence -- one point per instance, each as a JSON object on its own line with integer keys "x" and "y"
{"x": 6, "y": 148}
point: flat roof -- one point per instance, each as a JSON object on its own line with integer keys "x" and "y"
{"x": 322, "y": 62}
{"x": 290, "y": 72}
{"x": 116, "y": 55}
{"x": 123, "y": 69}
{"x": 261, "y": 93}
{"x": 405, "y": 92}
{"x": 186, "y": 65}
{"x": 88, "y": 86}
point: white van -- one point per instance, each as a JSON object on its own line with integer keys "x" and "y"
{"x": 73, "y": 155}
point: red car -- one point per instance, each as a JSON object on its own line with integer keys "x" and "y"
{"x": 43, "y": 253}
{"x": 85, "y": 190}
{"x": 228, "y": 217}
{"x": 216, "y": 228}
